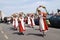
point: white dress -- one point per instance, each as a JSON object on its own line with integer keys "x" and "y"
{"x": 41, "y": 22}
{"x": 33, "y": 23}
{"x": 22, "y": 22}
{"x": 29, "y": 21}
{"x": 15, "y": 22}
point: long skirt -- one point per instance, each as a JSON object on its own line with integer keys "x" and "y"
{"x": 21, "y": 27}
{"x": 43, "y": 25}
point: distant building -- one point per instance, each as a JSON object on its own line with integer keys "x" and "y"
{"x": 1, "y": 15}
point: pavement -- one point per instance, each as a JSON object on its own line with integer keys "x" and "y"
{"x": 7, "y": 32}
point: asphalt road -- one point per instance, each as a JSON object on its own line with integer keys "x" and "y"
{"x": 7, "y": 32}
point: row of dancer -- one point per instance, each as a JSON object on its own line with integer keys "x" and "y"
{"x": 18, "y": 22}
{"x": 43, "y": 27}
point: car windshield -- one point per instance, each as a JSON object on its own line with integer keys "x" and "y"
{"x": 58, "y": 17}
{"x": 48, "y": 16}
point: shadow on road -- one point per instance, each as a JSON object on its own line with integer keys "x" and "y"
{"x": 18, "y": 33}
{"x": 28, "y": 26}
{"x": 35, "y": 34}
{"x": 56, "y": 27}
{"x": 11, "y": 28}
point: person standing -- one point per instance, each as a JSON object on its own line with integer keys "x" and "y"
{"x": 21, "y": 24}
{"x": 15, "y": 21}
{"x": 32, "y": 21}
{"x": 42, "y": 21}
{"x": 28, "y": 20}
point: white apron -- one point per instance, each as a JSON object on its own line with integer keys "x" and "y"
{"x": 33, "y": 23}
{"x": 22, "y": 23}
{"x": 15, "y": 22}
{"x": 29, "y": 21}
{"x": 41, "y": 22}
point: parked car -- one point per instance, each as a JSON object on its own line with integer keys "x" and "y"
{"x": 36, "y": 21}
{"x": 8, "y": 19}
{"x": 55, "y": 20}
{"x": 1, "y": 20}
{"x": 5, "y": 19}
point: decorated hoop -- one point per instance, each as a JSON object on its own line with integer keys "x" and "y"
{"x": 14, "y": 15}
{"x": 43, "y": 8}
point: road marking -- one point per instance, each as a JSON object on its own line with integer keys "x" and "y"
{"x": 2, "y": 32}
{"x": 6, "y": 36}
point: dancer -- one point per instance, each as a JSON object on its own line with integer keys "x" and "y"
{"x": 21, "y": 24}
{"x": 28, "y": 20}
{"x": 32, "y": 21}
{"x": 15, "y": 21}
{"x": 42, "y": 21}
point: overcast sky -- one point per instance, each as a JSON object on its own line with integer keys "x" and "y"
{"x": 12, "y": 6}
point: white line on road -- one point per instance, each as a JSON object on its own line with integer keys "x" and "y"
{"x": 2, "y": 32}
{"x": 6, "y": 36}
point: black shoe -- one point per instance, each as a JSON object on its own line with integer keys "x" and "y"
{"x": 32, "y": 27}
{"x": 15, "y": 28}
{"x": 22, "y": 33}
